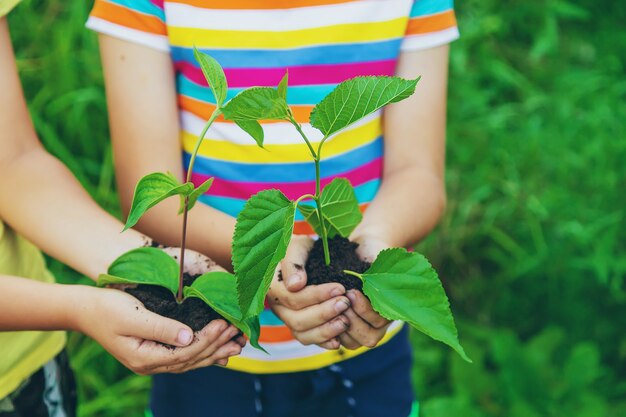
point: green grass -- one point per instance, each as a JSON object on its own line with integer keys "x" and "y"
{"x": 531, "y": 249}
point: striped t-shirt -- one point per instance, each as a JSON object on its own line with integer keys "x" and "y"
{"x": 321, "y": 43}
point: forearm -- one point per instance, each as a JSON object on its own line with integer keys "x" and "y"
{"x": 209, "y": 231}
{"x": 408, "y": 205}
{"x": 42, "y": 200}
{"x": 412, "y": 194}
{"x": 31, "y": 305}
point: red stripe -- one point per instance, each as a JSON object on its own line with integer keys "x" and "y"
{"x": 293, "y": 190}
{"x": 301, "y": 75}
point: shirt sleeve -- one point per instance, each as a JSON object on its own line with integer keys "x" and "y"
{"x": 431, "y": 23}
{"x": 139, "y": 21}
{"x": 6, "y": 6}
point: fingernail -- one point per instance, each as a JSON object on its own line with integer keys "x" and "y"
{"x": 351, "y": 296}
{"x": 184, "y": 337}
{"x": 340, "y": 325}
{"x": 341, "y": 306}
{"x": 337, "y": 291}
{"x": 292, "y": 280}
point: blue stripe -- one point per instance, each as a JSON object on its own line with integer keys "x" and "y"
{"x": 142, "y": 6}
{"x": 426, "y": 7}
{"x": 291, "y": 172}
{"x": 296, "y": 95}
{"x": 272, "y": 58}
{"x": 268, "y": 318}
{"x": 232, "y": 206}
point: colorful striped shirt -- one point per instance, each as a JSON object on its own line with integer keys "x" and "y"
{"x": 321, "y": 43}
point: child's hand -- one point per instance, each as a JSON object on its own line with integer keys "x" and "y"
{"x": 122, "y": 325}
{"x": 367, "y": 327}
{"x": 313, "y": 313}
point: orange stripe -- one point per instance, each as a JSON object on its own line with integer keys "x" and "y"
{"x": 429, "y": 24}
{"x": 258, "y": 5}
{"x": 203, "y": 110}
{"x": 275, "y": 334}
{"x": 128, "y": 18}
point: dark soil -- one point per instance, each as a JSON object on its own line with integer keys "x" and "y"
{"x": 194, "y": 312}
{"x": 342, "y": 256}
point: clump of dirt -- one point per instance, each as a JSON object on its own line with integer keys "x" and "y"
{"x": 342, "y": 256}
{"x": 193, "y": 312}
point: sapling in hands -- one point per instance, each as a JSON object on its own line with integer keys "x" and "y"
{"x": 151, "y": 266}
{"x": 400, "y": 285}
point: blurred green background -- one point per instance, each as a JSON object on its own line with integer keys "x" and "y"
{"x": 533, "y": 247}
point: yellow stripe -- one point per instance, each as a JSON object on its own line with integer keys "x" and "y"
{"x": 276, "y": 154}
{"x": 307, "y": 363}
{"x": 346, "y": 33}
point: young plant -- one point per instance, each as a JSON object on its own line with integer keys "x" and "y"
{"x": 401, "y": 285}
{"x": 151, "y": 266}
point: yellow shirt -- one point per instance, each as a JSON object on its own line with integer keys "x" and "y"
{"x": 23, "y": 353}
{"x": 6, "y": 6}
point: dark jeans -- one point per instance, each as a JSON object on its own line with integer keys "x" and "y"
{"x": 374, "y": 384}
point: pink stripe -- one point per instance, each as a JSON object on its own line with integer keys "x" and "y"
{"x": 158, "y": 3}
{"x": 303, "y": 75}
{"x": 293, "y": 190}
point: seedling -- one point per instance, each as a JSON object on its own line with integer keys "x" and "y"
{"x": 151, "y": 266}
{"x": 401, "y": 285}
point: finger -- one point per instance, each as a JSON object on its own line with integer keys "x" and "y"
{"x": 241, "y": 340}
{"x": 362, "y": 332}
{"x": 220, "y": 356}
{"x": 313, "y": 316}
{"x": 292, "y": 267}
{"x": 208, "y": 340}
{"x": 348, "y": 342}
{"x": 332, "y": 344}
{"x": 308, "y": 296}
{"x": 151, "y": 326}
{"x": 324, "y": 332}
{"x": 362, "y": 306}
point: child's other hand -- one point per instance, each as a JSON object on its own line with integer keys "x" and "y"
{"x": 367, "y": 327}
{"x": 123, "y": 326}
{"x": 312, "y": 313}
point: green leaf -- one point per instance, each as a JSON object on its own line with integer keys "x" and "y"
{"x": 219, "y": 291}
{"x": 404, "y": 286}
{"x": 256, "y": 103}
{"x": 195, "y": 194}
{"x": 262, "y": 235}
{"x": 253, "y": 128}
{"x": 340, "y": 208}
{"x": 282, "y": 86}
{"x": 214, "y": 75}
{"x": 149, "y": 266}
{"x": 151, "y": 190}
{"x": 354, "y": 99}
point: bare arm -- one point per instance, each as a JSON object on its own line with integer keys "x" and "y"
{"x": 412, "y": 195}
{"x": 36, "y": 188}
{"x": 143, "y": 113}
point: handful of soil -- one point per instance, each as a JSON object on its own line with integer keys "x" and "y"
{"x": 193, "y": 312}
{"x": 343, "y": 256}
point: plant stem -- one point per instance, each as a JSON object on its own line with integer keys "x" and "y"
{"x": 318, "y": 203}
{"x": 318, "y": 188}
{"x": 354, "y": 274}
{"x": 183, "y": 240}
{"x": 179, "y": 294}
{"x": 192, "y": 161}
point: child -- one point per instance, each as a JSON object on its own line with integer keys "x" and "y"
{"x": 40, "y": 200}
{"x": 158, "y": 98}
